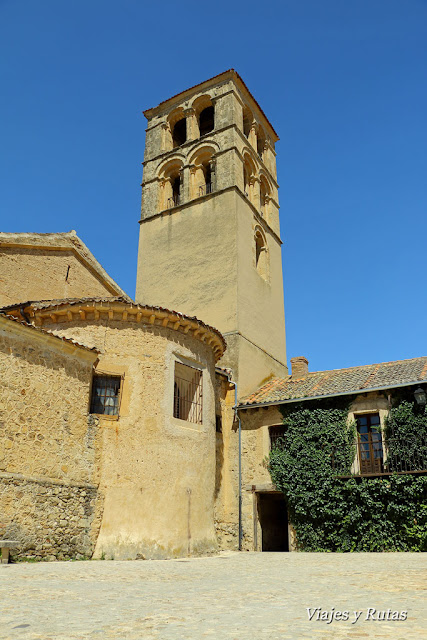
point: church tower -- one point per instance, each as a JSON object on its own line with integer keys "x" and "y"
{"x": 209, "y": 230}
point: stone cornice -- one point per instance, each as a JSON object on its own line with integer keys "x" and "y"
{"x": 264, "y": 224}
{"x": 97, "y": 310}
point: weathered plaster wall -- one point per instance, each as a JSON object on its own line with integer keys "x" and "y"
{"x": 39, "y": 273}
{"x": 226, "y": 478}
{"x": 47, "y": 444}
{"x": 157, "y": 472}
{"x": 188, "y": 261}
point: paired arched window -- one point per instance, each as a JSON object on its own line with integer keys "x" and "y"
{"x": 182, "y": 126}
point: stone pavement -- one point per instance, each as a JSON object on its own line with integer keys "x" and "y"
{"x": 246, "y": 596}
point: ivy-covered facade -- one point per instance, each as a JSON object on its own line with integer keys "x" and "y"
{"x": 343, "y": 471}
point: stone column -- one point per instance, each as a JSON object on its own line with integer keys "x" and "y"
{"x": 212, "y": 166}
{"x": 254, "y": 193}
{"x": 193, "y": 132}
{"x": 252, "y": 137}
{"x": 192, "y": 182}
{"x": 166, "y": 137}
{"x": 182, "y": 186}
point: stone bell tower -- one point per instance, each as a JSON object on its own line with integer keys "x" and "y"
{"x": 209, "y": 230}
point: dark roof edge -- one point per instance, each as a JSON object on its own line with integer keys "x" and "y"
{"x": 329, "y": 395}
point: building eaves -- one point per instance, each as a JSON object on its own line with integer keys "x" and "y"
{"x": 34, "y": 306}
{"x": 338, "y": 382}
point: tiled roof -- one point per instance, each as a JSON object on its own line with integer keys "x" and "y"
{"x": 340, "y": 382}
{"x": 46, "y": 304}
{"x": 49, "y": 333}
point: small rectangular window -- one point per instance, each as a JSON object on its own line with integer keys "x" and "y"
{"x": 105, "y": 395}
{"x": 188, "y": 394}
{"x": 277, "y": 436}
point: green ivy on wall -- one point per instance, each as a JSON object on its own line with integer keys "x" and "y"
{"x": 332, "y": 514}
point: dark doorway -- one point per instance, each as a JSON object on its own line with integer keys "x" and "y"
{"x": 273, "y": 518}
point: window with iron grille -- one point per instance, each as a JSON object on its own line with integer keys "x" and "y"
{"x": 188, "y": 394}
{"x": 106, "y": 395}
{"x": 277, "y": 435}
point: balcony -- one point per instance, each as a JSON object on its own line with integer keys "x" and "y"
{"x": 376, "y": 456}
{"x": 370, "y": 454}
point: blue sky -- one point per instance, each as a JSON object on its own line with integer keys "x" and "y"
{"x": 344, "y": 84}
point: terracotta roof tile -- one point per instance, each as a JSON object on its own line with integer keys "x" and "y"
{"x": 341, "y": 381}
{"x": 50, "y": 304}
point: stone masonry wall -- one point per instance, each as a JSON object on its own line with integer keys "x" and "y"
{"x": 157, "y": 472}
{"x": 52, "y": 520}
{"x": 45, "y": 274}
{"x": 48, "y": 445}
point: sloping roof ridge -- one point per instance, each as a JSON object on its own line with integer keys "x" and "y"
{"x": 47, "y": 332}
{"x": 305, "y": 389}
{"x": 38, "y": 233}
{"x": 373, "y": 364}
{"x": 62, "y": 301}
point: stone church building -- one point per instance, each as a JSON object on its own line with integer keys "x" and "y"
{"x": 140, "y": 428}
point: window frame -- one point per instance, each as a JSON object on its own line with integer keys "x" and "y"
{"x": 275, "y": 432}
{"x": 200, "y": 406}
{"x": 367, "y": 447}
{"x": 106, "y": 374}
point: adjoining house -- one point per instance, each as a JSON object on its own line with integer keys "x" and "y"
{"x": 369, "y": 392}
{"x": 139, "y": 429}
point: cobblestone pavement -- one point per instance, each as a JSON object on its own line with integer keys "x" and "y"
{"x": 246, "y": 596}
